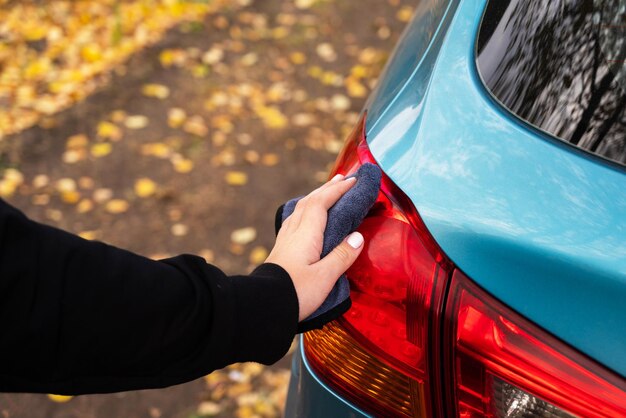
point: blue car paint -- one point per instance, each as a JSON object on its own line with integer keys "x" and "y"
{"x": 538, "y": 224}
{"x": 310, "y": 397}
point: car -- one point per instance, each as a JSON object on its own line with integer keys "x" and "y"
{"x": 493, "y": 281}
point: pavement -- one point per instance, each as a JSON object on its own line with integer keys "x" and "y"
{"x": 189, "y": 147}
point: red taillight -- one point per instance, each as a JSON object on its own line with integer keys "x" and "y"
{"x": 502, "y": 365}
{"x": 397, "y": 288}
{"x": 386, "y": 354}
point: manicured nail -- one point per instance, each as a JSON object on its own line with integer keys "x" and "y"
{"x": 337, "y": 177}
{"x": 355, "y": 240}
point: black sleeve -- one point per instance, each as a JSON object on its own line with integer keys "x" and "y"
{"x": 79, "y": 316}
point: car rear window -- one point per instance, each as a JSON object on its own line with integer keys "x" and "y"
{"x": 561, "y": 66}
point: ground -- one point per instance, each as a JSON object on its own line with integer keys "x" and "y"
{"x": 189, "y": 147}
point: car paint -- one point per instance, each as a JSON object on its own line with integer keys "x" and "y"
{"x": 537, "y": 223}
{"x": 311, "y": 397}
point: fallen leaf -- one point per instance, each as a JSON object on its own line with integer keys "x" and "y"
{"x": 258, "y": 255}
{"x": 213, "y": 56}
{"x": 236, "y": 178}
{"x": 270, "y": 159}
{"x": 89, "y": 235}
{"x": 102, "y": 195}
{"x": 145, "y": 187}
{"x": 175, "y": 117}
{"x": 101, "y": 149}
{"x": 182, "y": 165}
{"x": 243, "y": 236}
{"x": 70, "y": 196}
{"x": 76, "y": 142}
{"x": 116, "y": 206}
{"x": 59, "y": 398}
{"x": 326, "y": 51}
{"x": 340, "y": 102}
{"x": 179, "y": 230}
{"x": 109, "y": 130}
{"x": 84, "y": 206}
{"x": 158, "y": 91}
{"x": 195, "y": 125}
{"x": 404, "y": 14}
{"x": 66, "y": 185}
{"x": 136, "y": 122}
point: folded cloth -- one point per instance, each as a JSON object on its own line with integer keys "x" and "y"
{"x": 344, "y": 217}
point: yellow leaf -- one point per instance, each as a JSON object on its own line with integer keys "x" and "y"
{"x": 88, "y": 235}
{"x": 297, "y": 58}
{"x": 91, "y": 52}
{"x": 136, "y": 122}
{"x": 156, "y": 149}
{"x": 272, "y": 116}
{"x": 76, "y": 142}
{"x": 355, "y": 88}
{"x": 175, "y": 117}
{"x": 270, "y": 159}
{"x": 7, "y": 188}
{"x": 258, "y": 255}
{"x": 404, "y": 14}
{"x": 101, "y": 149}
{"x": 84, "y": 206}
{"x": 59, "y": 398}
{"x": 158, "y": 91}
{"x": 195, "y": 125}
{"x": 182, "y": 165}
{"x": 179, "y": 230}
{"x": 236, "y": 178}
{"x": 109, "y": 131}
{"x": 144, "y": 187}
{"x": 243, "y": 236}
{"x": 70, "y": 196}
{"x": 116, "y": 206}
{"x": 66, "y": 184}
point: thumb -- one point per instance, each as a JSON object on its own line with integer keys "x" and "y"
{"x": 341, "y": 258}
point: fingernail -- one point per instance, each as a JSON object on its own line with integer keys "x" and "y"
{"x": 355, "y": 240}
{"x": 337, "y": 177}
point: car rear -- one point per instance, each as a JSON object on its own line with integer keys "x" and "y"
{"x": 474, "y": 296}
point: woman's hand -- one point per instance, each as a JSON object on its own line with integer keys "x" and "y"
{"x": 299, "y": 245}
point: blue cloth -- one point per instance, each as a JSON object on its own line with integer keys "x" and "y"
{"x": 343, "y": 218}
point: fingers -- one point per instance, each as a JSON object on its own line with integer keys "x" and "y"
{"x": 315, "y": 205}
{"x": 341, "y": 258}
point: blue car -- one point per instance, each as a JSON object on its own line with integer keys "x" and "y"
{"x": 493, "y": 281}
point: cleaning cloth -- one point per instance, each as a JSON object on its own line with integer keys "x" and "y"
{"x": 343, "y": 218}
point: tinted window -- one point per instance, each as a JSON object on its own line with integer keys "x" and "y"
{"x": 560, "y": 65}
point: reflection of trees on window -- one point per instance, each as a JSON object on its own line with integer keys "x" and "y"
{"x": 560, "y": 64}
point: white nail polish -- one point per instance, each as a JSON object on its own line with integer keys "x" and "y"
{"x": 355, "y": 240}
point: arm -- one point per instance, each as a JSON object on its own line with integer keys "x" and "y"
{"x": 85, "y": 317}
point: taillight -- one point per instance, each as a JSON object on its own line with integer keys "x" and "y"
{"x": 504, "y": 366}
{"x": 377, "y": 355}
{"x": 395, "y": 354}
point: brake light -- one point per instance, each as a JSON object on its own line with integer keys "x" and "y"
{"x": 397, "y": 289}
{"x": 387, "y": 354}
{"x": 502, "y": 365}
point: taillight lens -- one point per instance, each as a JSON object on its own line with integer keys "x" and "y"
{"x": 397, "y": 287}
{"x": 504, "y": 366}
{"x": 387, "y": 353}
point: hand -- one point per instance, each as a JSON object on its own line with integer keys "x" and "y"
{"x": 299, "y": 245}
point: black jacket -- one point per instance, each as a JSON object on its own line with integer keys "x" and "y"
{"x": 81, "y": 316}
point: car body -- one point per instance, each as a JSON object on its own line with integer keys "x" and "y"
{"x": 533, "y": 225}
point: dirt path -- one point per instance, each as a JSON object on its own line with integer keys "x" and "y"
{"x": 266, "y": 95}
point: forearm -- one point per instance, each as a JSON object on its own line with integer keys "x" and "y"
{"x": 84, "y": 317}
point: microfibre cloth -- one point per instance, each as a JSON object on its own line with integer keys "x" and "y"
{"x": 344, "y": 217}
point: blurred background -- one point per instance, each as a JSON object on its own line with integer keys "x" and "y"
{"x": 172, "y": 126}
